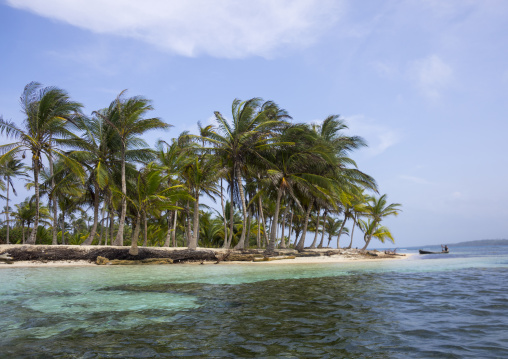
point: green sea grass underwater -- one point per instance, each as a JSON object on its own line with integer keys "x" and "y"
{"x": 450, "y": 306}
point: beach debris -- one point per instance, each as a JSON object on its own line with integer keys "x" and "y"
{"x": 222, "y": 256}
{"x": 266, "y": 259}
{"x": 6, "y": 258}
{"x": 101, "y": 260}
{"x": 105, "y": 261}
{"x": 240, "y": 257}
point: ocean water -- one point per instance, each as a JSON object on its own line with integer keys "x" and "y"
{"x": 429, "y": 306}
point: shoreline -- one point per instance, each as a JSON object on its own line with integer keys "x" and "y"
{"x": 203, "y": 255}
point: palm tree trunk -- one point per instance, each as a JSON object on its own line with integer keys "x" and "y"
{"x": 225, "y": 244}
{"x": 23, "y": 231}
{"x": 265, "y": 234}
{"x": 111, "y": 224}
{"x": 352, "y": 232}
{"x": 316, "y": 232}
{"x": 283, "y": 241}
{"x": 188, "y": 223}
{"x": 329, "y": 239}
{"x": 121, "y": 224}
{"x": 63, "y": 227}
{"x": 7, "y": 212}
{"x": 106, "y": 231}
{"x": 301, "y": 242}
{"x": 290, "y": 228}
{"x": 231, "y": 218}
{"x": 258, "y": 233}
{"x": 133, "y": 251}
{"x": 173, "y": 234}
{"x": 367, "y": 241}
{"x": 103, "y": 213}
{"x": 323, "y": 230}
{"x": 145, "y": 232}
{"x": 340, "y": 232}
{"x": 53, "y": 202}
{"x": 194, "y": 242}
{"x": 91, "y": 237}
{"x": 168, "y": 235}
{"x": 249, "y": 220}
{"x": 33, "y": 235}
{"x": 273, "y": 231}
{"x": 241, "y": 244}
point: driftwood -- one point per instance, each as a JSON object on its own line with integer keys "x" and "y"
{"x": 266, "y": 259}
{"x": 105, "y": 261}
{"x": 243, "y": 257}
{"x": 4, "y": 257}
{"x": 222, "y": 256}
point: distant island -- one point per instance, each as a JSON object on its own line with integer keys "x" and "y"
{"x": 480, "y": 242}
{"x": 484, "y": 242}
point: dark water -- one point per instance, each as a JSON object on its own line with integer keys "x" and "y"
{"x": 427, "y": 307}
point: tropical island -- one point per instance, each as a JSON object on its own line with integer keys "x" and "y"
{"x": 276, "y": 181}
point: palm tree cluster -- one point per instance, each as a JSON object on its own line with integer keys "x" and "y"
{"x": 276, "y": 180}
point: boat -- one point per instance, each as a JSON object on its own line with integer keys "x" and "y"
{"x": 429, "y": 252}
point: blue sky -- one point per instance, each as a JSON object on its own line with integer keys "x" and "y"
{"x": 424, "y": 82}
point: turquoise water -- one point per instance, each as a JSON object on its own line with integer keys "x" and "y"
{"x": 442, "y": 306}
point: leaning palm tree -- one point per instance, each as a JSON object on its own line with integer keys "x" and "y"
{"x": 377, "y": 209}
{"x": 125, "y": 116}
{"x": 371, "y": 228}
{"x": 48, "y": 113}
{"x": 12, "y": 168}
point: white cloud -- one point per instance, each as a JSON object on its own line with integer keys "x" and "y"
{"x": 379, "y": 137}
{"x": 417, "y": 180}
{"x": 431, "y": 75}
{"x": 220, "y": 28}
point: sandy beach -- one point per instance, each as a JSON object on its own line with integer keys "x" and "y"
{"x": 312, "y": 256}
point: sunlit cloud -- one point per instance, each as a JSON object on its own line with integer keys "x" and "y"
{"x": 431, "y": 75}
{"x": 220, "y": 28}
{"x": 378, "y": 136}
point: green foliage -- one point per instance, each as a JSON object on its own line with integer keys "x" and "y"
{"x": 262, "y": 163}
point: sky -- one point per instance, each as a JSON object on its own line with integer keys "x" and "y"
{"x": 424, "y": 82}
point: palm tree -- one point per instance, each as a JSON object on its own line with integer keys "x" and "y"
{"x": 295, "y": 167}
{"x": 48, "y": 112}
{"x": 12, "y": 168}
{"x": 373, "y": 229}
{"x": 334, "y": 227}
{"x": 151, "y": 195}
{"x": 201, "y": 177}
{"x": 96, "y": 152}
{"x": 377, "y": 209}
{"x": 125, "y": 116}
{"x": 171, "y": 158}
{"x": 25, "y": 214}
{"x": 211, "y": 230}
{"x": 250, "y": 133}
